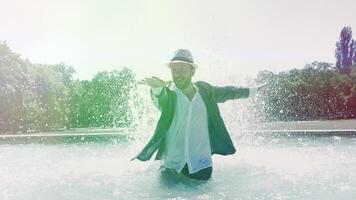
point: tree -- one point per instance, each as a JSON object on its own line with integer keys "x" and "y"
{"x": 14, "y": 82}
{"x": 345, "y": 51}
{"x": 350, "y": 100}
{"x": 43, "y": 97}
{"x": 33, "y": 96}
{"x": 104, "y": 101}
{"x": 52, "y": 97}
{"x": 317, "y": 91}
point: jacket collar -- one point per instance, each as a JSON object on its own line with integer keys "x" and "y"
{"x": 174, "y": 87}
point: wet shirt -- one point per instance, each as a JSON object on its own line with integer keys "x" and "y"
{"x": 187, "y": 139}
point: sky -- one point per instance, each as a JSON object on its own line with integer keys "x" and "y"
{"x": 227, "y": 38}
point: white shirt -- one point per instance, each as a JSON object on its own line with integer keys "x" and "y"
{"x": 187, "y": 139}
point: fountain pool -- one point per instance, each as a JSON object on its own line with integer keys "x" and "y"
{"x": 297, "y": 167}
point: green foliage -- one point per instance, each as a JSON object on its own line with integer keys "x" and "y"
{"x": 52, "y": 96}
{"x": 345, "y": 52}
{"x": 104, "y": 101}
{"x": 318, "y": 91}
{"x": 34, "y": 96}
{"x": 37, "y": 97}
{"x": 14, "y": 81}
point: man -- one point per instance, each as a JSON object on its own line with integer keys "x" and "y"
{"x": 190, "y": 129}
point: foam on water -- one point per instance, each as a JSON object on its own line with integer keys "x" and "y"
{"x": 280, "y": 168}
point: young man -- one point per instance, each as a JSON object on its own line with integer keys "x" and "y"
{"x": 190, "y": 129}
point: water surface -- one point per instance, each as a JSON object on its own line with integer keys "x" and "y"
{"x": 263, "y": 168}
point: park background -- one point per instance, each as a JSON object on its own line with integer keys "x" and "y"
{"x": 72, "y": 64}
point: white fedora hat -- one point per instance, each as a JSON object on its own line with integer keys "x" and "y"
{"x": 183, "y": 56}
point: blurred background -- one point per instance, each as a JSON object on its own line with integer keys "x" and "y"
{"x": 75, "y": 64}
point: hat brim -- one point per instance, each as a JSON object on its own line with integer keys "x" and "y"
{"x": 180, "y": 61}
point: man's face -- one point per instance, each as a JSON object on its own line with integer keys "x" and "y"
{"x": 182, "y": 74}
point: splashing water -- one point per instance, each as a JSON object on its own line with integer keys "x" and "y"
{"x": 263, "y": 167}
{"x": 268, "y": 168}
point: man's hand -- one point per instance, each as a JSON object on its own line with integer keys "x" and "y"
{"x": 154, "y": 82}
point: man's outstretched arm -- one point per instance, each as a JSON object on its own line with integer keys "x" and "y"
{"x": 222, "y": 94}
{"x": 160, "y": 95}
{"x": 158, "y": 90}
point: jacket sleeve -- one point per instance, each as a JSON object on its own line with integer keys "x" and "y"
{"x": 159, "y": 98}
{"x": 222, "y": 94}
{"x": 149, "y": 149}
{"x": 161, "y": 101}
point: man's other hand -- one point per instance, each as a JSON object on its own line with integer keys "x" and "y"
{"x": 154, "y": 82}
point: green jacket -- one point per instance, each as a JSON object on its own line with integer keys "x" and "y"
{"x": 220, "y": 141}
